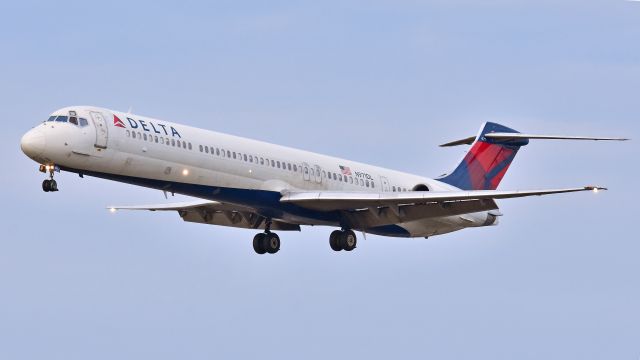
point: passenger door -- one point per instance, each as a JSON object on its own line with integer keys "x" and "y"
{"x": 318, "y": 174}
{"x": 102, "y": 132}
{"x": 305, "y": 172}
{"x": 385, "y": 183}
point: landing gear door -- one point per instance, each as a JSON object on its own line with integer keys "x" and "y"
{"x": 102, "y": 132}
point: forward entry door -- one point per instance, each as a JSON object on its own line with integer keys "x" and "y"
{"x": 102, "y": 132}
{"x": 385, "y": 183}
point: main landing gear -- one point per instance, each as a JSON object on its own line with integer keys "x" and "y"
{"x": 266, "y": 242}
{"x": 343, "y": 240}
{"x": 49, "y": 184}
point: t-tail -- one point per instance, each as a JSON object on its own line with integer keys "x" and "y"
{"x": 491, "y": 153}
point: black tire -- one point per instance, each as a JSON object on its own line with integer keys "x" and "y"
{"x": 334, "y": 240}
{"x": 258, "y": 243}
{"x": 53, "y": 185}
{"x": 46, "y": 186}
{"x": 271, "y": 243}
{"x": 348, "y": 240}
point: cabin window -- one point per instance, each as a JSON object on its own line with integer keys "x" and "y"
{"x": 178, "y": 143}
{"x": 312, "y": 173}
{"x": 372, "y": 184}
{"x": 201, "y": 148}
{"x": 234, "y": 154}
{"x": 278, "y": 163}
{"x": 394, "y": 188}
{"x": 261, "y": 161}
{"x": 128, "y": 133}
{"x": 161, "y": 140}
{"x": 144, "y": 136}
{"x": 367, "y": 183}
{"x": 173, "y": 142}
{"x": 335, "y": 177}
{"x": 217, "y": 152}
{"x": 345, "y": 178}
{"x": 295, "y": 168}
{"x": 133, "y": 134}
{"x": 350, "y": 180}
{"x": 306, "y": 170}
{"x": 156, "y": 139}
{"x": 361, "y": 182}
{"x": 245, "y": 157}
{"x": 250, "y": 158}
{"x": 273, "y": 163}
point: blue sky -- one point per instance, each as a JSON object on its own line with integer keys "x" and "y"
{"x": 382, "y": 82}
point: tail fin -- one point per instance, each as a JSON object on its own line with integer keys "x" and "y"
{"x": 488, "y": 160}
{"x": 491, "y": 153}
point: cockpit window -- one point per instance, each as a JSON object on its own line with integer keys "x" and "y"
{"x": 83, "y": 122}
{"x": 61, "y": 119}
{"x": 73, "y": 120}
{"x": 52, "y": 118}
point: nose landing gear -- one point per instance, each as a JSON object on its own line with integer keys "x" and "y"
{"x": 49, "y": 185}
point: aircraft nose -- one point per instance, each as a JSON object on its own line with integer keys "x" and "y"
{"x": 33, "y": 143}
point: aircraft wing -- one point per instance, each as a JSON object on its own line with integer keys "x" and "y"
{"x": 215, "y": 213}
{"x": 327, "y": 201}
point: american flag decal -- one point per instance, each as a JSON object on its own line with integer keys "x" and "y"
{"x": 345, "y": 170}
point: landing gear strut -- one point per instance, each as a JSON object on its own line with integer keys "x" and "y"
{"x": 343, "y": 240}
{"x": 49, "y": 184}
{"x": 266, "y": 242}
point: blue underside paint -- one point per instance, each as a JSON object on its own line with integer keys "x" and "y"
{"x": 266, "y": 203}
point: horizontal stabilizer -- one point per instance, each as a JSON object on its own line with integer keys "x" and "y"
{"x": 515, "y": 136}
{"x": 511, "y": 136}
{"x": 466, "y": 141}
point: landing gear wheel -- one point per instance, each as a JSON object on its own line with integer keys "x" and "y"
{"x": 334, "y": 240}
{"x": 258, "y": 243}
{"x": 348, "y": 240}
{"x": 53, "y": 185}
{"x": 46, "y": 185}
{"x": 271, "y": 243}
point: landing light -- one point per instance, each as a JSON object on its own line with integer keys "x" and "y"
{"x": 185, "y": 172}
{"x": 112, "y": 210}
{"x": 595, "y": 190}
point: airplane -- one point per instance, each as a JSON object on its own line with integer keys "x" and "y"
{"x": 244, "y": 183}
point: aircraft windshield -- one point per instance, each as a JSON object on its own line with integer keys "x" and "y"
{"x": 75, "y": 120}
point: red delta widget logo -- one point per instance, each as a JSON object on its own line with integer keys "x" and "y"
{"x": 147, "y": 126}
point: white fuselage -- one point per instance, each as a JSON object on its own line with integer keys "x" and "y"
{"x": 215, "y": 166}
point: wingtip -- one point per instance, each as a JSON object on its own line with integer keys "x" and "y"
{"x": 595, "y": 188}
